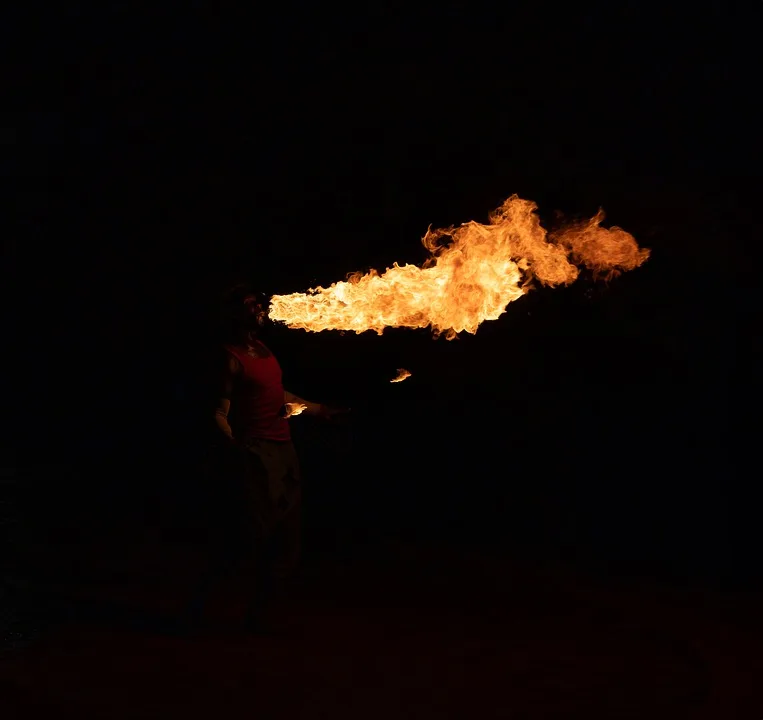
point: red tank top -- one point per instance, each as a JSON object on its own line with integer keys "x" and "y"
{"x": 258, "y": 398}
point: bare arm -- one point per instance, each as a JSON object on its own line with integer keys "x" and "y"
{"x": 231, "y": 368}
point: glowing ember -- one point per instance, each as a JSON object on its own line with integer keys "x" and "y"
{"x": 291, "y": 409}
{"x": 401, "y": 375}
{"x": 469, "y": 278}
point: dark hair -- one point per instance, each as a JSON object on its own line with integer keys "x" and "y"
{"x": 232, "y": 307}
{"x": 235, "y": 296}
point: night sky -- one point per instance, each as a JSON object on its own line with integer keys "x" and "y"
{"x": 172, "y": 154}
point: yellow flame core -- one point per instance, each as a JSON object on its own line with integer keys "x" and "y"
{"x": 470, "y": 279}
{"x": 402, "y": 374}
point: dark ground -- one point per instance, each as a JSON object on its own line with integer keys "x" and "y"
{"x": 406, "y": 629}
{"x": 553, "y": 518}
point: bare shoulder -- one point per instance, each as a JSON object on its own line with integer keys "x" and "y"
{"x": 230, "y": 362}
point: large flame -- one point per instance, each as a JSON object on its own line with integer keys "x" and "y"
{"x": 474, "y": 272}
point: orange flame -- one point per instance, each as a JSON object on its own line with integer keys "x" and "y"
{"x": 402, "y": 374}
{"x": 469, "y": 278}
{"x": 291, "y": 409}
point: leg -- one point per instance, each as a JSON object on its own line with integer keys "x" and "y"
{"x": 274, "y": 511}
{"x": 219, "y": 566}
{"x": 290, "y": 527}
{"x": 224, "y": 525}
{"x": 259, "y": 586}
{"x": 289, "y": 547}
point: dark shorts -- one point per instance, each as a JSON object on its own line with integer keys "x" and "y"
{"x": 270, "y": 481}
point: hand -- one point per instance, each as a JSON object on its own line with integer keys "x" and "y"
{"x": 328, "y": 412}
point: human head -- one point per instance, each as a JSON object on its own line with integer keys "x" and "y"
{"x": 246, "y": 310}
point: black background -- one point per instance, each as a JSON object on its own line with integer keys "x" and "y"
{"x": 171, "y": 153}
